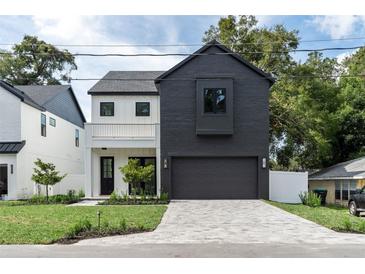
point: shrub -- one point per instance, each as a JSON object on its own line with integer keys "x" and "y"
{"x": 164, "y": 196}
{"x": 114, "y": 197}
{"x": 81, "y": 226}
{"x": 37, "y": 199}
{"x": 310, "y": 199}
{"x": 81, "y": 193}
{"x": 54, "y": 199}
{"x": 125, "y": 197}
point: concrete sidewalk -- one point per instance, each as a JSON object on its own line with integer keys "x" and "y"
{"x": 186, "y": 251}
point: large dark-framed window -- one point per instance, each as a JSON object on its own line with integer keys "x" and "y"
{"x": 43, "y": 125}
{"x": 107, "y": 109}
{"x": 148, "y": 189}
{"x": 142, "y": 108}
{"x": 215, "y": 100}
{"x": 344, "y": 189}
{"x": 77, "y": 138}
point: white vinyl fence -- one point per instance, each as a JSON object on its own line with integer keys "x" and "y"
{"x": 286, "y": 186}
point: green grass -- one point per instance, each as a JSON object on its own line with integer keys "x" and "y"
{"x": 44, "y": 224}
{"x": 333, "y": 217}
{"x": 13, "y": 203}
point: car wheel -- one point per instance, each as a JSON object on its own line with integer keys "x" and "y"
{"x": 353, "y": 209}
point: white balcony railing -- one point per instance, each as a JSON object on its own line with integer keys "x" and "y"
{"x": 121, "y": 131}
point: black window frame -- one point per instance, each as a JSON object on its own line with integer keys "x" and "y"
{"x": 102, "y": 114}
{"x": 43, "y": 125}
{"x": 52, "y": 120}
{"x": 141, "y": 114}
{"x": 77, "y": 138}
{"x": 215, "y": 108}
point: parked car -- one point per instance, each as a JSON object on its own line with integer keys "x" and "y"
{"x": 357, "y": 202}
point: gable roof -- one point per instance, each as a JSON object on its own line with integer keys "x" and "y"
{"x": 215, "y": 43}
{"x": 44, "y": 95}
{"x": 21, "y": 95}
{"x": 126, "y": 83}
{"x": 353, "y": 169}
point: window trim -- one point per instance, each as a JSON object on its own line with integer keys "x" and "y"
{"x": 214, "y": 107}
{"x": 149, "y": 109}
{"x": 52, "y": 119}
{"x": 77, "y": 137}
{"x": 43, "y": 125}
{"x": 106, "y": 103}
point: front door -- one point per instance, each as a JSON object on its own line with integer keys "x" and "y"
{"x": 3, "y": 180}
{"x": 107, "y": 175}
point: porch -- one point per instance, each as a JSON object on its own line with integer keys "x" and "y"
{"x": 104, "y": 176}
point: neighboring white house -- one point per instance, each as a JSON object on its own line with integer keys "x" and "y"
{"x": 124, "y": 123}
{"x": 43, "y": 122}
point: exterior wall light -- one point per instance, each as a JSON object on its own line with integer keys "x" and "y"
{"x": 165, "y": 163}
{"x": 264, "y": 162}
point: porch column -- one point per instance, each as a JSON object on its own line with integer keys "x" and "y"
{"x": 88, "y": 172}
{"x": 158, "y": 159}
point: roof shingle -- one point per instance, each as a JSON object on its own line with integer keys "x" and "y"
{"x": 127, "y": 82}
{"x": 354, "y": 169}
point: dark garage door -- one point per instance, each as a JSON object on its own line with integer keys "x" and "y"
{"x": 214, "y": 178}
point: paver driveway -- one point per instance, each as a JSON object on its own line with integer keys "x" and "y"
{"x": 230, "y": 221}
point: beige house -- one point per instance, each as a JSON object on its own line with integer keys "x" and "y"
{"x": 340, "y": 180}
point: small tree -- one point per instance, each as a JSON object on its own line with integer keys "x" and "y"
{"x": 134, "y": 173}
{"x": 46, "y": 174}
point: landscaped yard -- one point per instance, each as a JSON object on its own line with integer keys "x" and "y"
{"x": 43, "y": 224}
{"x": 333, "y": 217}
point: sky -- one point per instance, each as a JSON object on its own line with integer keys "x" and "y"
{"x": 159, "y": 30}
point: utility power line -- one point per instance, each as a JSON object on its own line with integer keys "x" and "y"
{"x": 192, "y": 54}
{"x": 329, "y": 76}
{"x": 197, "y": 44}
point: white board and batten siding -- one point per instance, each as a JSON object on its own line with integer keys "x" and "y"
{"x": 286, "y": 186}
{"x": 125, "y": 109}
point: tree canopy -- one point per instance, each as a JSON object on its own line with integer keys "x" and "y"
{"x": 316, "y": 119}
{"x": 35, "y": 62}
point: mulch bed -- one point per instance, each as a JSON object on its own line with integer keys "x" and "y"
{"x": 99, "y": 234}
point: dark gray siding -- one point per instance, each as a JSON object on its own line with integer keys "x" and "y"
{"x": 64, "y": 106}
{"x": 251, "y": 116}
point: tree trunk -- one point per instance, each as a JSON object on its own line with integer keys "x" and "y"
{"x": 47, "y": 193}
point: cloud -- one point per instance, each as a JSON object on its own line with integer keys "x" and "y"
{"x": 338, "y": 26}
{"x": 341, "y": 57}
{"x": 94, "y": 30}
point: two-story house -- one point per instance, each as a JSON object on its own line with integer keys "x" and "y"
{"x": 43, "y": 122}
{"x": 204, "y": 123}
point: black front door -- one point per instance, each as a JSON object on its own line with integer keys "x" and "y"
{"x": 3, "y": 180}
{"x": 107, "y": 175}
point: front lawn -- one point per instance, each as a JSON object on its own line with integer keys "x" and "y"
{"x": 44, "y": 224}
{"x": 334, "y": 217}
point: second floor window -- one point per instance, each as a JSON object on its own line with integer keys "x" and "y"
{"x": 107, "y": 109}
{"x": 142, "y": 109}
{"x": 43, "y": 125}
{"x": 77, "y": 138}
{"x": 215, "y": 100}
{"x": 52, "y": 122}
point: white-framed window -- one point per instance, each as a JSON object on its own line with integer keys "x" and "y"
{"x": 43, "y": 125}
{"x": 52, "y": 122}
{"x": 77, "y": 138}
